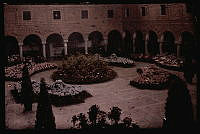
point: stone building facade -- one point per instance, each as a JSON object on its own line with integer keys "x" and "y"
{"x": 57, "y": 28}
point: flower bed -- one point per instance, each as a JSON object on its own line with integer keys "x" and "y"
{"x": 14, "y": 73}
{"x": 14, "y": 60}
{"x": 59, "y": 92}
{"x": 83, "y": 69}
{"x": 118, "y": 61}
{"x": 151, "y": 77}
{"x": 169, "y": 62}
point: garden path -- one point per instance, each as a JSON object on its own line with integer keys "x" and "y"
{"x": 145, "y": 107}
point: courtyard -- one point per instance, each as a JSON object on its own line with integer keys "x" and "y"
{"x": 145, "y": 106}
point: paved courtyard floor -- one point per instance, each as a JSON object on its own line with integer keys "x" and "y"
{"x": 146, "y": 107}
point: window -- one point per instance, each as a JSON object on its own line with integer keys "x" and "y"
{"x": 110, "y": 13}
{"x": 56, "y": 15}
{"x": 127, "y": 12}
{"x": 26, "y": 15}
{"x": 143, "y": 11}
{"x": 84, "y": 14}
{"x": 163, "y": 9}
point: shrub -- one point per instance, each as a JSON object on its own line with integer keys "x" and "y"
{"x": 82, "y": 69}
{"x": 178, "y": 108}
{"x": 27, "y": 90}
{"x": 114, "y": 114}
{"x": 98, "y": 119}
{"x": 44, "y": 116}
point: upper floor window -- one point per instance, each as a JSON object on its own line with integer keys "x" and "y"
{"x": 56, "y": 15}
{"x": 26, "y": 15}
{"x": 143, "y": 10}
{"x": 84, "y": 14}
{"x": 127, "y": 12}
{"x": 110, "y": 14}
{"x": 163, "y": 9}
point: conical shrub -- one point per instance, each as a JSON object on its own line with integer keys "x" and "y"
{"x": 44, "y": 117}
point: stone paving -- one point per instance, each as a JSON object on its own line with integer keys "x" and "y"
{"x": 145, "y": 107}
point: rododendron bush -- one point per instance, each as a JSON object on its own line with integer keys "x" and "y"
{"x": 81, "y": 69}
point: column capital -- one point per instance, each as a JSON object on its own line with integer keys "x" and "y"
{"x": 65, "y": 41}
{"x": 134, "y": 35}
{"x": 43, "y": 42}
{"x": 20, "y": 44}
{"x": 178, "y": 42}
{"x": 147, "y": 37}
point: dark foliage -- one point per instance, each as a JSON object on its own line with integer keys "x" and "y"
{"x": 27, "y": 89}
{"x": 98, "y": 119}
{"x": 44, "y": 116}
{"x": 178, "y": 108}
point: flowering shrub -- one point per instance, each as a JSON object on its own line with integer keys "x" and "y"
{"x": 58, "y": 92}
{"x": 151, "y": 77}
{"x": 118, "y": 61}
{"x": 83, "y": 69}
{"x": 15, "y": 72}
{"x": 169, "y": 62}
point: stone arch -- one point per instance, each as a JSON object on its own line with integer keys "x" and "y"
{"x": 96, "y": 39}
{"x": 32, "y": 45}
{"x": 187, "y": 44}
{"x": 54, "y": 45}
{"x": 169, "y": 43}
{"x": 139, "y": 43}
{"x": 127, "y": 47}
{"x": 114, "y": 42}
{"x": 153, "y": 45}
{"x": 75, "y": 43}
{"x": 11, "y": 45}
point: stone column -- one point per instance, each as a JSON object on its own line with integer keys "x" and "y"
{"x": 65, "y": 46}
{"x": 86, "y": 47}
{"x": 44, "y": 48}
{"x": 178, "y": 44}
{"x": 134, "y": 37}
{"x": 146, "y": 44}
{"x": 106, "y": 44}
{"x": 21, "y": 50}
{"x": 161, "y": 44}
{"x": 160, "y": 47}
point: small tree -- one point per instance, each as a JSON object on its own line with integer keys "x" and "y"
{"x": 114, "y": 115}
{"x": 178, "y": 108}
{"x": 27, "y": 89}
{"x": 83, "y": 121}
{"x": 44, "y": 116}
{"x": 93, "y": 112}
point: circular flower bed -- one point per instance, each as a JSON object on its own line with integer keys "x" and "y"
{"x": 169, "y": 62}
{"x": 81, "y": 69}
{"x": 118, "y": 61}
{"x": 59, "y": 92}
{"x": 14, "y": 73}
{"x": 150, "y": 77}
